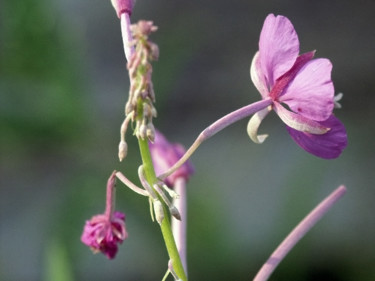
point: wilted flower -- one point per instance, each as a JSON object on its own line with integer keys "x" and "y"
{"x": 299, "y": 82}
{"x": 103, "y": 232}
{"x": 165, "y": 154}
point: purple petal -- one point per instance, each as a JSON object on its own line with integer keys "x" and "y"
{"x": 278, "y": 47}
{"x": 311, "y": 92}
{"x": 258, "y": 77}
{"x": 327, "y": 146}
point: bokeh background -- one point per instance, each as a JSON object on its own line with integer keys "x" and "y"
{"x": 63, "y": 86}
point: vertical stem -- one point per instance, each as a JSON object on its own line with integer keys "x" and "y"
{"x": 165, "y": 225}
{"x": 179, "y": 226}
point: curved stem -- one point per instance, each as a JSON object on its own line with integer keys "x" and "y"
{"x": 165, "y": 225}
{"x": 179, "y": 226}
{"x": 131, "y": 185}
{"x": 298, "y": 232}
{"x": 216, "y": 127}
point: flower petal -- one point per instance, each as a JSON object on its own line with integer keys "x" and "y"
{"x": 258, "y": 77}
{"x": 311, "y": 92}
{"x": 327, "y": 146}
{"x": 299, "y": 122}
{"x": 254, "y": 123}
{"x": 278, "y": 47}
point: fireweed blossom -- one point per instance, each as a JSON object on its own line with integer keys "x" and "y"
{"x": 299, "y": 82}
{"x": 285, "y": 78}
{"x": 103, "y": 232}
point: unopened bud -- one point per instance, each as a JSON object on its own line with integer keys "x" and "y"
{"x": 154, "y": 112}
{"x": 154, "y": 51}
{"x": 129, "y": 108}
{"x": 175, "y": 213}
{"x": 122, "y": 150}
{"x": 150, "y": 132}
{"x": 159, "y": 212}
{"x": 142, "y": 131}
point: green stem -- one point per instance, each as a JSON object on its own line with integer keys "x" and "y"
{"x": 165, "y": 225}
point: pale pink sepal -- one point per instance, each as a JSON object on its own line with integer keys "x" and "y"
{"x": 298, "y": 122}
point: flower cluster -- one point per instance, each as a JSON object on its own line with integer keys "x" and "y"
{"x": 140, "y": 105}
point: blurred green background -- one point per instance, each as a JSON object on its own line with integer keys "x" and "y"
{"x": 63, "y": 86}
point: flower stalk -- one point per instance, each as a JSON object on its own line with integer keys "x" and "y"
{"x": 298, "y": 232}
{"x": 216, "y": 127}
{"x": 179, "y": 226}
{"x": 165, "y": 224}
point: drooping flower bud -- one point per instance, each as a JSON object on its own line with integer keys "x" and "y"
{"x": 122, "y": 150}
{"x": 102, "y": 234}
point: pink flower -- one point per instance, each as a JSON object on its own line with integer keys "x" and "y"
{"x": 165, "y": 154}
{"x": 301, "y": 83}
{"x": 103, "y": 232}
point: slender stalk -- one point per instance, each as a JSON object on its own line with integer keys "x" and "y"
{"x": 131, "y": 185}
{"x": 297, "y": 233}
{"x": 179, "y": 226}
{"x": 126, "y": 35}
{"x": 165, "y": 225}
{"x": 216, "y": 127}
{"x": 110, "y": 196}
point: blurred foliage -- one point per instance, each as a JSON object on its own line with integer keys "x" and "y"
{"x": 41, "y": 102}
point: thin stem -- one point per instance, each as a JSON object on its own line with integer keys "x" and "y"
{"x": 297, "y": 233}
{"x": 165, "y": 224}
{"x": 126, "y": 35}
{"x": 179, "y": 226}
{"x": 131, "y": 185}
{"x": 110, "y": 196}
{"x": 216, "y": 127}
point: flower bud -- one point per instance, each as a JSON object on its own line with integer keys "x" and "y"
{"x": 150, "y": 132}
{"x": 122, "y": 150}
{"x": 175, "y": 213}
{"x": 159, "y": 212}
